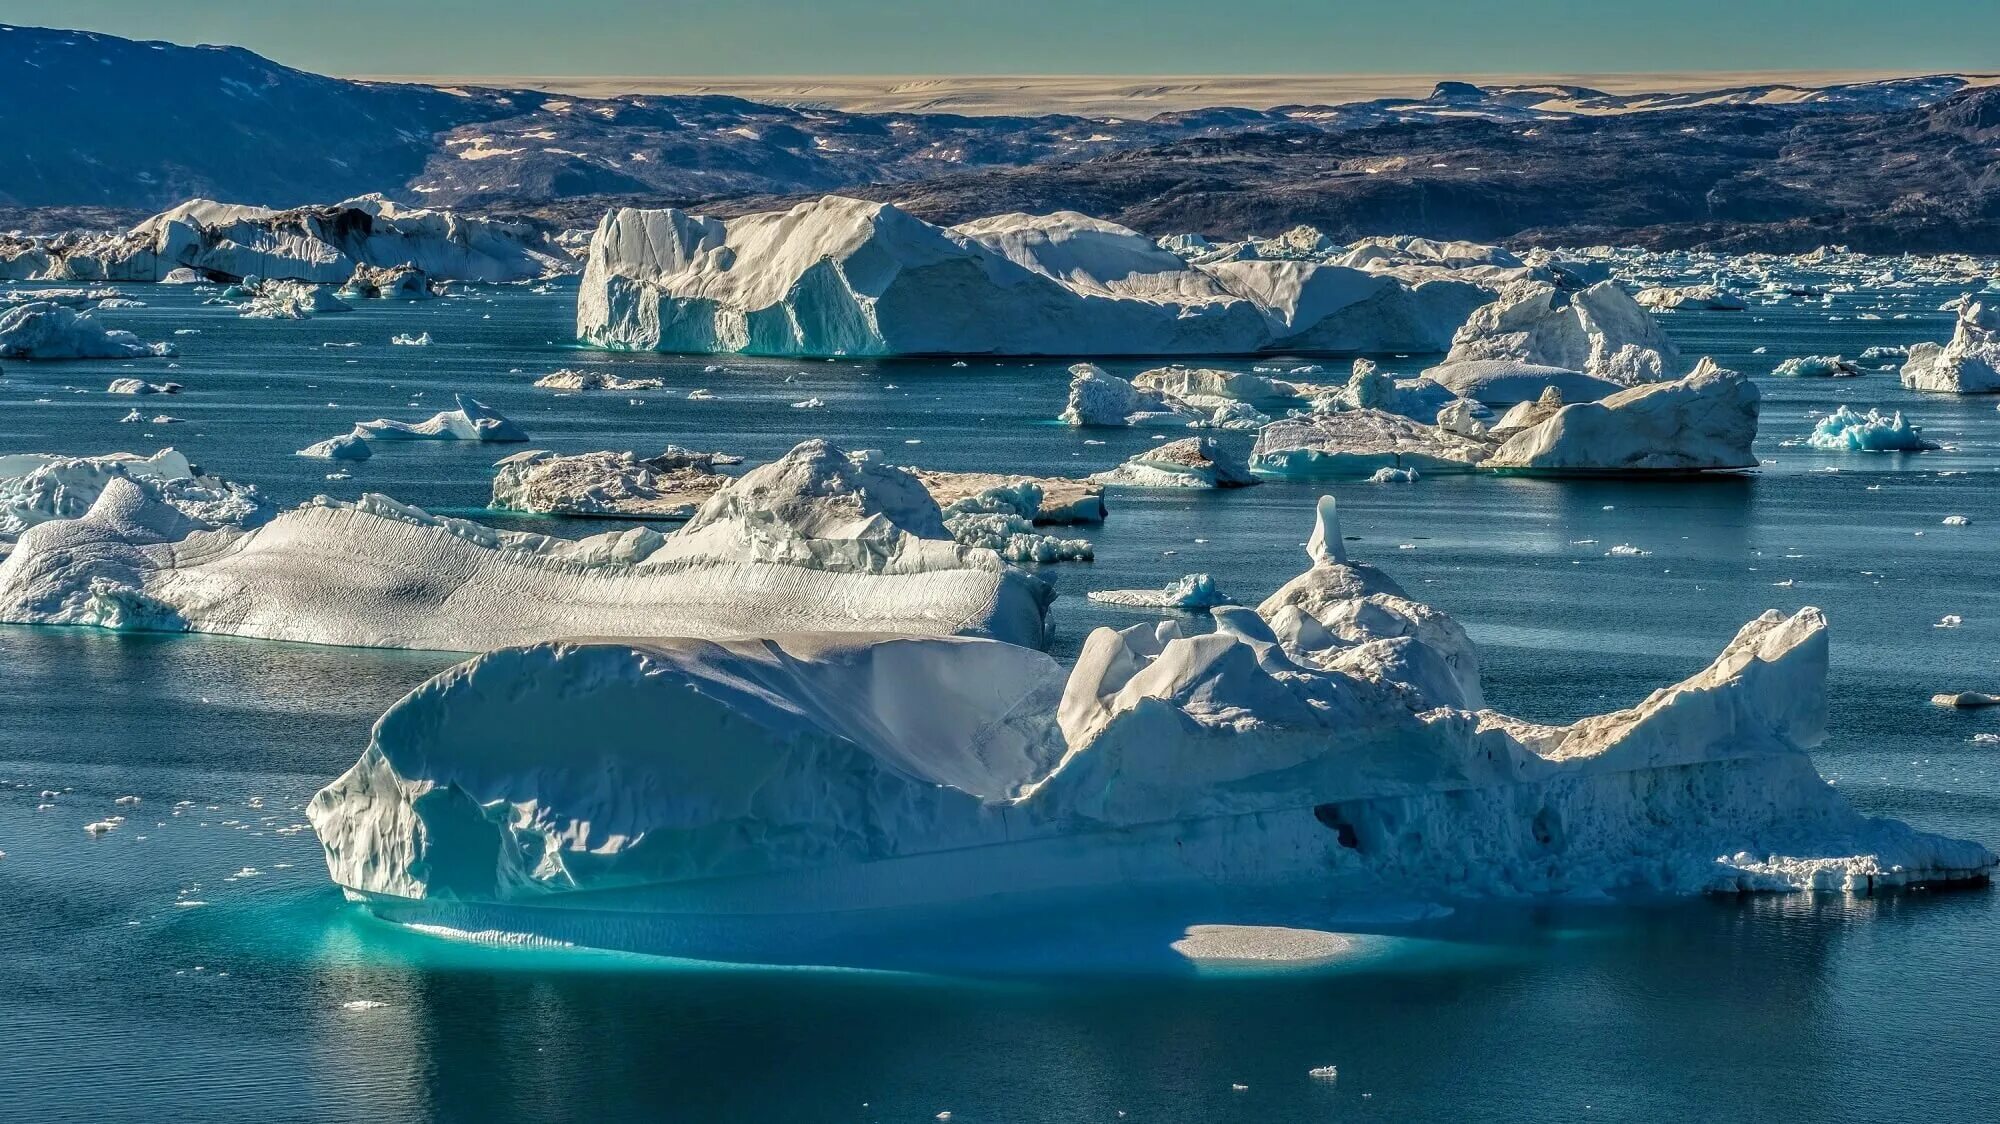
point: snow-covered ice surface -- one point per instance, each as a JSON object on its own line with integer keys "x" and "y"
{"x": 1334, "y": 742}
{"x": 810, "y": 542}
{"x": 46, "y": 330}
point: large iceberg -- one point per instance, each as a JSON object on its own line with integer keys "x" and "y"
{"x": 45, "y": 330}
{"x": 1600, "y": 331}
{"x": 320, "y": 244}
{"x": 834, "y": 799}
{"x": 1705, "y": 421}
{"x": 1969, "y": 364}
{"x": 840, "y": 276}
{"x": 812, "y": 542}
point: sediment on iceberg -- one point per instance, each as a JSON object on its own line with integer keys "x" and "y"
{"x": 1331, "y": 746}
{"x": 810, "y": 542}
{"x": 845, "y": 277}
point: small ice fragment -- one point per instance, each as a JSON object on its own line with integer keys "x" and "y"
{"x": 1949, "y": 620}
{"x": 127, "y": 801}
{"x": 362, "y": 1004}
{"x": 1956, "y": 521}
{"x": 1324, "y": 1072}
{"x": 100, "y": 827}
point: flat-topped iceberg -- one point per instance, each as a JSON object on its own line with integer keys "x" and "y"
{"x": 1357, "y": 443}
{"x": 839, "y": 276}
{"x": 45, "y": 330}
{"x": 1714, "y": 298}
{"x": 811, "y": 542}
{"x": 1816, "y": 367}
{"x": 1600, "y": 331}
{"x": 830, "y": 799}
{"x": 1969, "y": 363}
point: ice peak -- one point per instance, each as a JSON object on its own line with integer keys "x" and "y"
{"x": 1325, "y": 546}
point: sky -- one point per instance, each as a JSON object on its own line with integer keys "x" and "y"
{"x": 945, "y": 37}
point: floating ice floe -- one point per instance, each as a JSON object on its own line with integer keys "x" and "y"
{"x": 1599, "y": 331}
{"x": 41, "y": 330}
{"x": 567, "y": 379}
{"x": 1845, "y": 430}
{"x": 1662, "y": 298}
{"x": 1968, "y": 364}
{"x": 404, "y": 339}
{"x": 1191, "y": 462}
{"x": 1816, "y": 367}
{"x": 1193, "y": 593}
{"x": 840, "y": 276}
{"x": 1965, "y": 700}
{"x": 471, "y": 421}
{"x": 813, "y": 541}
{"x": 1330, "y": 747}
{"x": 289, "y": 300}
{"x": 38, "y": 487}
{"x": 141, "y": 386}
{"x": 672, "y": 485}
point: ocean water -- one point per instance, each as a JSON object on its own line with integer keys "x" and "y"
{"x": 273, "y": 999}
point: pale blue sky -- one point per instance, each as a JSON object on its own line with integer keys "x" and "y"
{"x": 718, "y": 37}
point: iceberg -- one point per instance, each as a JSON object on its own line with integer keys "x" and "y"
{"x": 810, "y": 542}
{"x": 398, "y": 282}
{"x": 289, "y": 300}
{"x": 1599, "y": 331}
{"x": 322, "y": 245}
{"x": 1969, "y": 364}
{"x": 1662, "y": 298}
{"x": 1193, "y": 593}
{"x": 1038, "y": 499}
{"x": 1506, "y": 382}
{"x": 1356, "y": 443}
{"x": 1191, "y": 462}
{"x": 846, "y": 277}
{"x": 44, "y": 330}
{"x": 1705, "y": 421}
{"x": 471, "y": 421}
{"x": 38, "y": 487}
{"x": 568, "y": 379}
{"x": 1099, "y": 398}
{"x": 1816, "y": 367}
{"x": 141, "y": 386}
{"x": 672, "y": 485}
{"x": 1848, "y": 431}
{"x": 873, "y": 801}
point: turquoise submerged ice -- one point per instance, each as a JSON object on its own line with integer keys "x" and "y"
{"x": 1844, "y": 430}
{"x": 716, "y": 800}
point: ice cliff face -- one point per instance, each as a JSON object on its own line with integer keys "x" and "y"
{"x": 810, "y": 542}
{"x": 741, "y": 800}
{"x": 1969, "y": 364}
{"x": 841, "y": 276}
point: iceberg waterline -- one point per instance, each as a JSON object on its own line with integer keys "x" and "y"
{"x": 1330, "y": 744}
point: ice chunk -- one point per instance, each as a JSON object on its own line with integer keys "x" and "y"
{"x": 672, "y": 485}
{"x": 1355, "y": 443}
{"x": 1191, "y": 462}
{"x": 289, "y": 300}
{"x": 42, "y": 330}
{"x": 141, "y": 386}
{"x": 1817, "y": 366}
{"x": 1193, "y": 592}
{"x": 38, "y": 487}
{"x": 1844, "y": 430}
{"x": 567, "y": 379}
